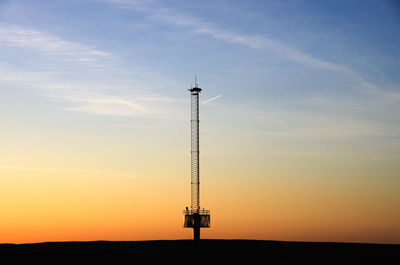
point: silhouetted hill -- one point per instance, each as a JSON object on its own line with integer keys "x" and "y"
{"x": 204, "y": 252}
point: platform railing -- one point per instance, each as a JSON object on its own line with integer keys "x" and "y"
{"x": 201, "y": 212}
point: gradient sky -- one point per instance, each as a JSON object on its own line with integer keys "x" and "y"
{"x": 299, "y": 131}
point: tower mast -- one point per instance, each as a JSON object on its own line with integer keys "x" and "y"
{"x": 195, "y": 152}
{"x": 195, "y": 218}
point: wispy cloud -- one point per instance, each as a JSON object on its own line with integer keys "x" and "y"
{"x": 200, "y": 26}
{"x": 314, "y": 125}
{"x": 78, "y": 172}
{"x": 89, "y": 79}
{"x": 110, "y": 106}
{"x": 88, "y": 96}
{"x": 19, "y": 37}
{"x": 255, "y": 41}
{"x": 210, "y": 100}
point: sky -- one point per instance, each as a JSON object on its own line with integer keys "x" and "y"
{"x": 299, "y": 119}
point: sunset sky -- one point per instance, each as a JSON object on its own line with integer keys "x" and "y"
{"x": 299, "y": 121}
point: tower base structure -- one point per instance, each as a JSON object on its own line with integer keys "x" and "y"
{"x": 196, "y": 220}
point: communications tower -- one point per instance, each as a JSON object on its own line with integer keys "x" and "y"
{"x": 195, "y": 217}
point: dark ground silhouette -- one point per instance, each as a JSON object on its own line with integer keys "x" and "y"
{"x": 203, "y": 252}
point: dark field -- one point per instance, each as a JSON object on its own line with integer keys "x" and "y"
{"x": 204, "y": 252}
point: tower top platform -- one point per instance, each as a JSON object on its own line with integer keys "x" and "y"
{"x": 195, "y": 89}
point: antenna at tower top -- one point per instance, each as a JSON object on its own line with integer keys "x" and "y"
{"x": 196, "y": 88}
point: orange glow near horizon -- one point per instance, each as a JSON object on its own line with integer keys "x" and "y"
{"x": 82, "y": 205}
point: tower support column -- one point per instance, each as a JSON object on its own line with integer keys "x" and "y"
{"x": 196, "y": 227}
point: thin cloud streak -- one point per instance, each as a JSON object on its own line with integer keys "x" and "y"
{"x": 210, "y": 100}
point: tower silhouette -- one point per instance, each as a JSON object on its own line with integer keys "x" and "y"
{"x": 195, "y": 217}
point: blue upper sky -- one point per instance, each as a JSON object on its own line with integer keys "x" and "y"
{"x": 309, "y": 69}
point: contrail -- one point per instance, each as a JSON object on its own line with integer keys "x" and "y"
{"x": 210, "y": 100}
